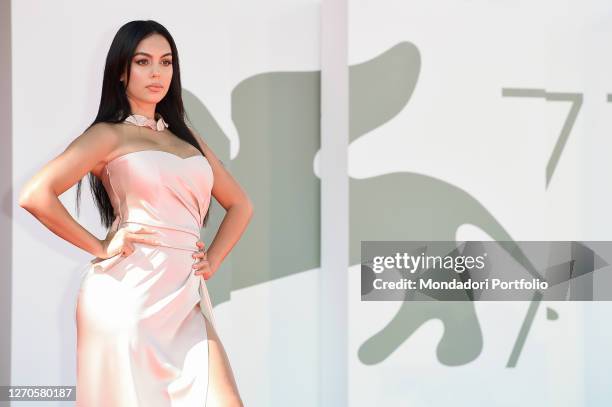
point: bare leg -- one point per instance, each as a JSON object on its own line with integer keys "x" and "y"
{"x": 222, "y": 388}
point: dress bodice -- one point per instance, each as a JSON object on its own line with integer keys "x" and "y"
{"x": 158, "y": 188}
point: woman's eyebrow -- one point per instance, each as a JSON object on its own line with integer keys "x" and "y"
{"x": 149, "y": 55}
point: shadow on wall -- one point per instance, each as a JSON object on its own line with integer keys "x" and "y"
{"x": 277, "y": 116}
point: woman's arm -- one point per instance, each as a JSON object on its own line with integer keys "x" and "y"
{"x": 39, "y": 195}
{"x": 234, "y": 200}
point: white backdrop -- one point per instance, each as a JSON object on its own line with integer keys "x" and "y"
{"x": 456, "y": 127}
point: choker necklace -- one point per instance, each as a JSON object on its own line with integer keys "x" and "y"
{"x": 158, "y": 124}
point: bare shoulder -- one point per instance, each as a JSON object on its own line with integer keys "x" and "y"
{"x": 83, "y": 155}
{"x": 96, "y": 144}
{"x": 210, "y": 155}
{"x": 226, "y": 189}
{"x": 107, "y": 133}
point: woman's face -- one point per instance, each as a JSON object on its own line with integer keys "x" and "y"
{"x": 151, "y": 71}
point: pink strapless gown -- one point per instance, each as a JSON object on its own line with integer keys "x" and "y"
{"x": 141, "y": 336}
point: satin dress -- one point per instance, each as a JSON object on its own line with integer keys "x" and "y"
{"x": 141, "y": 335}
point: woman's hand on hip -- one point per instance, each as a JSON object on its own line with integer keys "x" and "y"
{"x": 122, "y": 241}
{"x": 202, "y": 267}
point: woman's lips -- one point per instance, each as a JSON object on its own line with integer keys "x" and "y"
{"x": 154, "y": 88}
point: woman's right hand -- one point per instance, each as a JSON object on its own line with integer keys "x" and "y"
{"x": 122, "y": 241}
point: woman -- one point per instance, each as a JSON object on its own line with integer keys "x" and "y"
{"x": 145, "y": 331}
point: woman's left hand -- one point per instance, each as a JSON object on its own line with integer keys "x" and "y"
{"x": 202, "y": 268}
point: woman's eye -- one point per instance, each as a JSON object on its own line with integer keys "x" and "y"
{"x": 166, "y": 62}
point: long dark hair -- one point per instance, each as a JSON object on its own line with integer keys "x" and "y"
{"x": 115, "y": 108}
